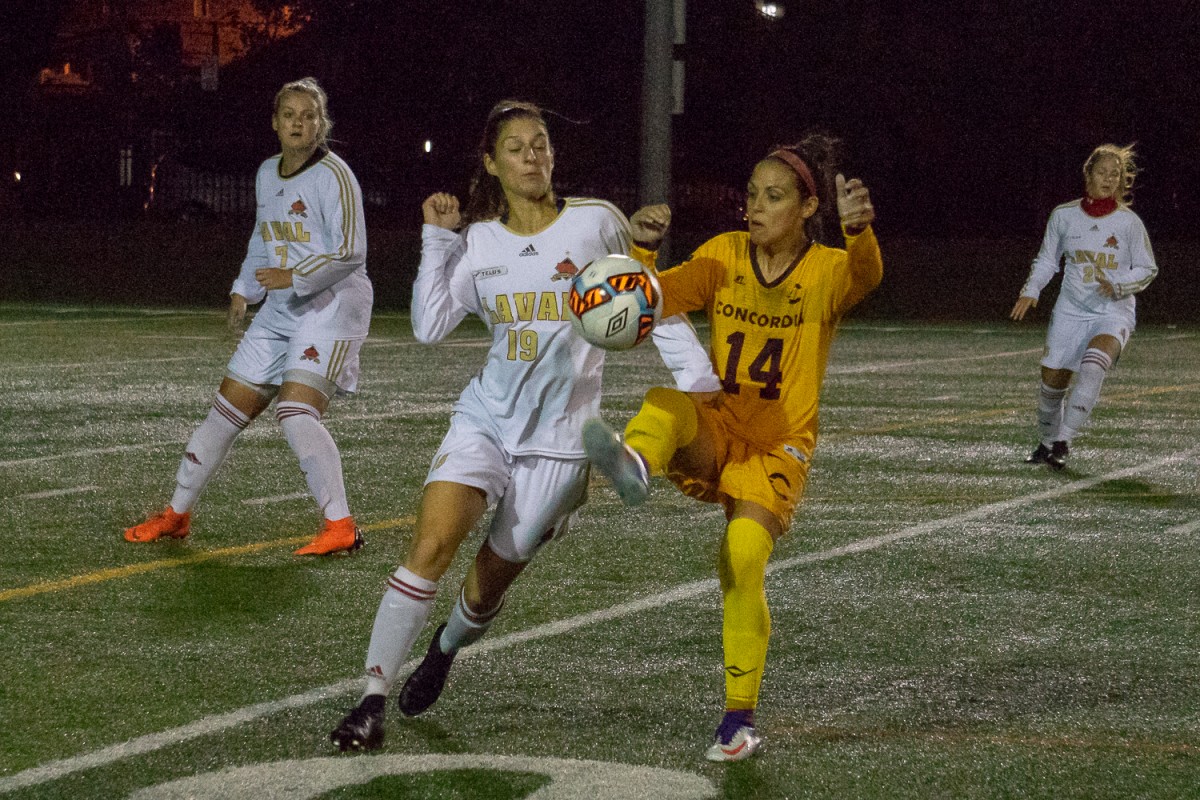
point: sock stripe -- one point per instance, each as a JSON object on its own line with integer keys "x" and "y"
{"x": 229, "y": 412}
{"x": 1097, "y": 358}
{"x": 408, "y": 590}
{"x": 286, "y": 410}
{"x": 1053, "y": 394}
{"x": 480, "y": 618}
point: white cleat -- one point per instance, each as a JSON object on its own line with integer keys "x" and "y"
{"x": 741, "y": 745}
{"x": 617, "y": 461}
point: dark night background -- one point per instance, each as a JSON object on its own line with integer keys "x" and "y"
{"x": 969, "y": 121}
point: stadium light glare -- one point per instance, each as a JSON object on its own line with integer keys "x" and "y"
{"x": 769, "y": 10}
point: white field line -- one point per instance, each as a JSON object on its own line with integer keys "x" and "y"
{"x": 1187, "y": 527}
{"x": 99, "y": 451}
{"x": 418, "y": 410}
{"x": 279, "y": 498}
{"x": 56, "y": 493}
{"x": 134, "y": 316}
{"x": 207, "y": 726}
{"x": 885, "y": 365}
{"x": 133, "y": 362}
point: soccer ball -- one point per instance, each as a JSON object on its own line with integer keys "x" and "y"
{"x": 615, "y": 302}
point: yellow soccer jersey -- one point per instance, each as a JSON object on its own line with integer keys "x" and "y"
{"x": 770, "y": 341}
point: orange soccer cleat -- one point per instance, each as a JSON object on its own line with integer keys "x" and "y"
{"x": 168, "y": 523}
{"x": 338, "y": 536}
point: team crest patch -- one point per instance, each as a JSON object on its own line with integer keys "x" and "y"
{"x": 1112, "y": 242}
{"x": 565, "y": 270}
{"x": 310, "y": 354}
{"x": 298, "y": 208}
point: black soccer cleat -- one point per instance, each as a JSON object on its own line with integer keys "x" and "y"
{"x": 424, "y": 686}
{"x": 1039, "y": 455}
{"x": 1058, "y": 456}
{"x": 362, "y": 729}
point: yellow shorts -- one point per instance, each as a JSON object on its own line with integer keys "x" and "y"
{"x": 774, "y": 479}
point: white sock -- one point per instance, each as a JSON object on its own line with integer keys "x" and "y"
{"x": 466, "y": 627}
{"x": 206, "y": 451}
{"x": 319, "y": 456}
{"x": 402, "y": 614}
{"x": 1092, "y": 370}
{"x": 1049, "y": 413}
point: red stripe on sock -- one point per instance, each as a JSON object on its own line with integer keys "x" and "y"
{"x": 409, "y": 590}
{"x": 234, "y": 416}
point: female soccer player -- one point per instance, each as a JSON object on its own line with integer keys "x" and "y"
{"x": 774, "y": 296}
{"x": 307, "y": 265}
{"x": 514, "y": 439}
{"x": 1108, "y": 260}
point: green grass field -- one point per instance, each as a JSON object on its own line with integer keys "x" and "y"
{"x": 948, "y": 622}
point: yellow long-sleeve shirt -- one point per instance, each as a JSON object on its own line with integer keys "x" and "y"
{"x": 770, "y": 341}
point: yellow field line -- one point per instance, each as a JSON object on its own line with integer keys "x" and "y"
{"x": 116, "y": 573}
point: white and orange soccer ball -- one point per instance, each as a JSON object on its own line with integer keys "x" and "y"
{"x": 615, "y": 302}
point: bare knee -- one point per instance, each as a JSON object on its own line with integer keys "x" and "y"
{"x": 1056, "y": 378}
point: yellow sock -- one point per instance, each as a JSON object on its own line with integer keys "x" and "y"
{"x": 747, "y": 620}
{"x": 666, "y": 422}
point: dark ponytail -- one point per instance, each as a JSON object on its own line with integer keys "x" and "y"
{"x": 485, "y": 196}
{"x": 822, "y": 155}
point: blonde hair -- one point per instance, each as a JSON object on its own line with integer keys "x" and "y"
{"x": 310, "y": 87}
{"x": 1125, "y": 162}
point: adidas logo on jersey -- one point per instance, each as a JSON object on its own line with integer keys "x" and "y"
{"x": 279, "y": 193}
{"x": 528, "y": 251}
{"x": 1095, "y": 228}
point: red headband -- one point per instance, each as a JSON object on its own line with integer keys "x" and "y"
{"x": 797, "y": 164}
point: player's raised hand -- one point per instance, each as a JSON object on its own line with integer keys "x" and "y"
{"x": 650, "y": 224}
{"x": 854, "y": 202}
{"x": 441, "y": 209}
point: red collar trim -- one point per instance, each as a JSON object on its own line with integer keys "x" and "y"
{"x": 1098, "y": 208}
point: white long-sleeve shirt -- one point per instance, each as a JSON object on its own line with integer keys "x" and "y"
{"x": 1115, "y": 244}
{"x": 541, "y": 380}
{"x": 311, "y": 223}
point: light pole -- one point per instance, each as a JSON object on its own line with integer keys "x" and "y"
{"x": 662, "y": 95}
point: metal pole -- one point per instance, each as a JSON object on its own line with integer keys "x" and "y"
{"x": 657, "y": 102}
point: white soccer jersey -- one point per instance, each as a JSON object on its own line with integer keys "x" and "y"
{"x": 311, "y": 223}
{"x": 541, "y": 380}
{"x": 1115, "y": 243}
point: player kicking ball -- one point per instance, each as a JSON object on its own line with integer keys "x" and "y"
{"x": 774, "y": 295}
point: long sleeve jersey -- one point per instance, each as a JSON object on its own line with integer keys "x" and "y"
{"x": 1115, "y": 245}
{"x": 310, "y": 222}
{"x": 770, "y": 340}
{"x": 541, "y": 379}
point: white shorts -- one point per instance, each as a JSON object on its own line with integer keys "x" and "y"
{"x": 534, "y": 496}
{"x": 266, "y": 358}
{"x": 1069, "y": 334}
